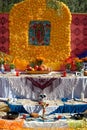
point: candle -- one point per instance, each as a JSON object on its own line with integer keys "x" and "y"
{"x": 64, "y": 73}
{"x": 82, "y": 96}
{"x": 72, "y": 92}
{"x": 17, "y": 73}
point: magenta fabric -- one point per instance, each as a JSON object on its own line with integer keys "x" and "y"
{"x": 78, "y": 34}
{"x": 41, "y": 83}
{"x": 4, "y": 33}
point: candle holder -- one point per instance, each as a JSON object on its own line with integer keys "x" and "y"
{"x": 43, "y": 105}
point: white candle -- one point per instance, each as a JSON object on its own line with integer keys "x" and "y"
{"x": 82, "y": 96}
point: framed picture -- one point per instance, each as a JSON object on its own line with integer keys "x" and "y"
{"x": 39, "y": 32}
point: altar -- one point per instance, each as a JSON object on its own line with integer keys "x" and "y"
{"x": 39, "y": 35}
{"x": 53, "y": 85}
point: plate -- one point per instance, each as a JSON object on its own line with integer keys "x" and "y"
{"x": 37, "y": 72}
{"x": 78, "y": 116}
{"x": 11, "y": 115}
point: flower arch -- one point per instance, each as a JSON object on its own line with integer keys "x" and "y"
{"x": 20, "y": 16}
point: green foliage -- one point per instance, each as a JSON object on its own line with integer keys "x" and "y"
{"x": 2, "y": 61}
{"x": 75, "y": 6}
{"x": 12, "y": 66}
{"x": 6, "y": 5}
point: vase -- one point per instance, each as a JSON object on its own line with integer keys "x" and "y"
{"x": 2, "y": 68}
{"x": 12, "y": 71}
{"x": 68, "y": 70}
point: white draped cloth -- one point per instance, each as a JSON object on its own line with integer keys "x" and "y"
{"x": 56, "y": 124}
{"x": 30, "y": 86}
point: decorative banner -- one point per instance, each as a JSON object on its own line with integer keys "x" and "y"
{"x": 4, "y": 33}
{"x": 78, "y": 34}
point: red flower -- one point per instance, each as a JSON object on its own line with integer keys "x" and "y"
{"x": 69, "y": 60}
{"x": 73, "y": 63}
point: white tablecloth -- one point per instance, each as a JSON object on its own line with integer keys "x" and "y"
{"x": 30, "y": 86}
{"x": 62, "y": 123}
{"x": 56, "y": 124}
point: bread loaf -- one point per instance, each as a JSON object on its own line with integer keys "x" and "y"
{"x": 35, "y": 115}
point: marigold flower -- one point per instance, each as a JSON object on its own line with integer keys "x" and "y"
{"x": 59, "y": 47}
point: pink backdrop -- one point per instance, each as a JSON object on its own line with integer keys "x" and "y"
{"x": 4, "y": 33}
{"x": 78, "y": 33}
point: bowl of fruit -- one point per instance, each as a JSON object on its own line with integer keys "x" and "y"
{"x": 42, "y": 69}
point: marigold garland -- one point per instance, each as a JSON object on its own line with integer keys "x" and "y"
{"x": 59, "y": 48}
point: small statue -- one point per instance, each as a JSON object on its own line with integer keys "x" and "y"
{"x": 42, "y": 102}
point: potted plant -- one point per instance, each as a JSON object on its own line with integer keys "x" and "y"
{"x": 12, "y": 67}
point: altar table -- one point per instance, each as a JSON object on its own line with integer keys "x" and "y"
{"x": 27, "y": 106}
{"x": 30, "y": 86}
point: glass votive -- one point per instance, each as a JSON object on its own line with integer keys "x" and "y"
{"x": 64, "y": 73}
{"x": 17, "y": 73}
